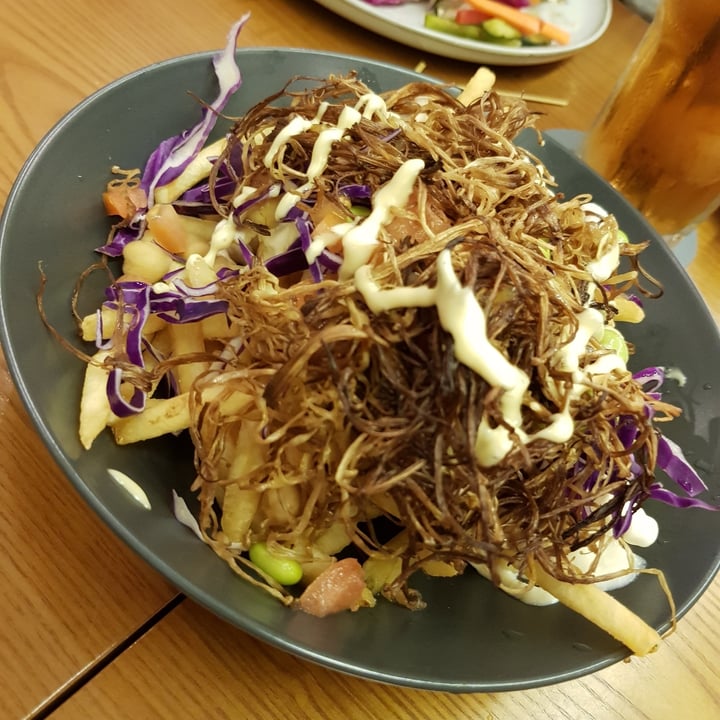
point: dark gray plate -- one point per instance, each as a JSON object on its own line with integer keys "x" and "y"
{"x": 471, "y": 637}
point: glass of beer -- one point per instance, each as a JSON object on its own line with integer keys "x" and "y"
{"x": 657, "y": 139}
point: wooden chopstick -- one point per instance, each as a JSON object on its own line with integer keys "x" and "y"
{"x": 532, "y": 97}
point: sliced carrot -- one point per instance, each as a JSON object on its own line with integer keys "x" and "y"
{"x": 167, "y": 229}
{"x": 527, "y": 24}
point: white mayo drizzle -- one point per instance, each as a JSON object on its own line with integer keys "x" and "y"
{"x": 286, "y": 203}
{"x": 321, "y": 150}
{"x": 608, "y": 253}
{"x": 676, "y": 374}
{"x": 459, "y": 312}
{"x": 613, "y": 558}
{"x": 224, "y": 236}
{"x": 606, "y": 261}
{"x": 359, "y": 241}
{"x": 460, "y": 315}
{"x": 296, "y": 126}
{"x": 244, "y": 194}
{"x": 131, "y": 487}
{"x": 371, "y": 105}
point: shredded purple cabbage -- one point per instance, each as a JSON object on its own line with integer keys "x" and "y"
{"x": 139, "y": 300}
{"x": 291, "y": 261}
{"x": 174, "y": 155}
{"x": 356, "y": 192}
{"x": 304, "y": 228}
{"x": 662, "y": 494}
{"x": 651, "y": 378}
{"x": 670, "y": 459}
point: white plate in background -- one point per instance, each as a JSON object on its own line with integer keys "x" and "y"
{"x": 586, "y": 20}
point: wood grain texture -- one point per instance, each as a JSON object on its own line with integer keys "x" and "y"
{"x": 71, "y": 591}
{"x": 210, "y": 670}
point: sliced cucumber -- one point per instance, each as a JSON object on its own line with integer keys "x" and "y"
{"x": 472, "y": 32}
{"x": 445, "y": 25}
{"x": 535, "y": 40}
{"x": 500, "y": 30}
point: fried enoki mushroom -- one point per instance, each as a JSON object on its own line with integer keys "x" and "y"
{"x": 330, "y": 426}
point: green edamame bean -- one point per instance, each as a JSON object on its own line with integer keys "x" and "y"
{"x": 285, "y": 570}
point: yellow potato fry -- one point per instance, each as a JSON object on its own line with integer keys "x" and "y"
{"x": 380, "y": 572}
{"x": 240, "y": 504}
{"x": 333, "y": 540}
{"x": 94, "y": 406}
{"x": 482, "y": 81}
{"x": 231, "y": 405}
{"x": 200, "y": 229}
{"x": 198, "y": 169}
{"x": 216, "y": 326}
{"x": 109, "y": 320}
{"x": 438, "y": 568}
{"x": 281, "y": 505}
{"x": 601, "y": 609}
{"x": 187, "y": 338}
{"x": 145, "y": 260}
{"x": 312, "y": 568}
{"x": 239, "y": 508}
{"x": 627, "y": 310}
{"x": 158, "y": 418}
{"x": 198, "y": 273}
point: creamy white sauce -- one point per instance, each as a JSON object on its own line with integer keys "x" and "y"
{"x": 379, "y": 300}
{"x": 360, "y": 240}
{"x": 371, "y": 105}
{"x": 615, "y": 557}
{"x": 296, "y": 126}
{"x": 607, "y": 257}
{"x": 130, "y": 487}
{"x": 594, "y": 211}
{"x": 286, "y": 203}
{"x": 224, "y": 236}
{"x": 461, "y": 315}
{"x": 643, "y": 530}
{"x": 606, "y": 262}
{"x": 676, "y": 374}
{"x": 590, "y": 324}
{"x": 321, "y": 150}
{"x": 245, "y": 194}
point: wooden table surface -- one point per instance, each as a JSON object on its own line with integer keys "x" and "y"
{"x": 88, "y": 630}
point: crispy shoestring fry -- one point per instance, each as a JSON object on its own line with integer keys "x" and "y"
{"x": 376, "y": 405}
{"x": 324, "y": 426}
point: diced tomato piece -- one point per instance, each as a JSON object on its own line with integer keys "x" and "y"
{"x": 167, "y": 229}
{"x": 339, "y": 587}
{"x": 124, "y": 200}
{"x": 468, "y": 16}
